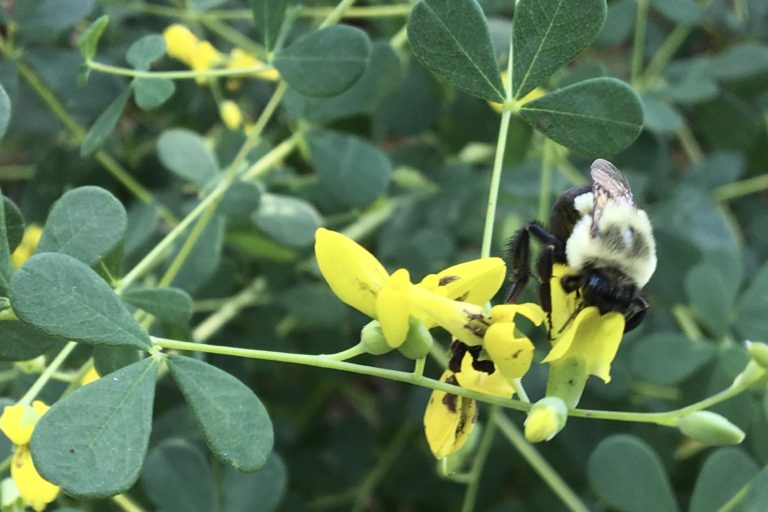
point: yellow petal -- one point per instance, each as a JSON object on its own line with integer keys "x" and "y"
{"x": 545, "y": 419}
{"x": 18, "y": 421}
{"x": 594, "y": 337}
{"x": 511, "y": 354}
{"x": 507, "y": 312}
{"x": 90, "y": 376}
{"x": 448, "y": 420}
{"x": 204, "y": 57}
{"x": 474, "y": 380}
{"x": 239, "y": 59}
{"x": 475, "y": 282}
{"x": 464, "y": 321}
{"x": 231, "y": 115}
{"x": 27, "y": 245}
{"x": 180, "y": 43}
{"x": 563, "y": 304}
{"x": 34, "y": 489}
{"x": 354, "y": 274}
{"x": 392, "y": 308}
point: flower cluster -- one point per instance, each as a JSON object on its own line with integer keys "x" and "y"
{"x": 489, "y": 354}
{"x": 17, "y": 423}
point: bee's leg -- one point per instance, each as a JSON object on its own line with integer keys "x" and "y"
{"x": 520, "y": 249}
{"x": 638, "y": 308}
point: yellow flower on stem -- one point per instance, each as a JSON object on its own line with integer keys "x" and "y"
{"x": 239, "y": 59}
{"x": 180, "y": 43}
{"x": 231, "y": 114}
{"x": 27, "y": 245}
{"x": 17, "y": 422}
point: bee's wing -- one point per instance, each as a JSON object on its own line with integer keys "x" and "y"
{"x": 608, "y": 184}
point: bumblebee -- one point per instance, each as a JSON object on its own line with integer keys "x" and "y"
{"x": 607, "y": 242}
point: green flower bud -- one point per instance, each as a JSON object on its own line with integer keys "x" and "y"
{"x": 418, "y": 343}
{"x": 710, "y": 428}
{"x": 36, "y": 365}
{"x": 758, "y": 352}
{"x": 752, "y": 374}
{"x": 373, "y": 340}
{"x": 546, "y": 418}
{"x": 567, "y": 378}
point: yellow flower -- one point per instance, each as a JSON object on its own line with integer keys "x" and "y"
{"x": 180, "y": 43}
{"x": 204, "y": 58}
{"x": 589, "y": 336}
{"x": 17, "y": 422}
{"x": 448, "y": 420}
{"x": 90, "y": 376}
{"x": 27, "y": 246}
{"x": 361, "y": 281}
{"x": 239, "y": 59}
{"x": 231, "y": 115}
{"x": 545, "y": 419}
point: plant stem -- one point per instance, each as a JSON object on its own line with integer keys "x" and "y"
{"x": 336, "y": 13}
{"x": 228, "y": 309}
{"x": 349, "y": 353}
{"x": 545, "y": 188}
{"x": 176, "y": 75}
{"x": 233, "y": 36}
{"x": 741, "y": 188}
{"x": 473, "y": 484}
{"x": 667, "y": 50}
{"x": 540, "y": 465}
{"x": 493, "y": 191}
{"x": 125, "y": 503}
{"x": 373, "y": 11}
{"x": 690, "y": 146}
{"x": 44, "y": 377}
{"x": 638, "y": 44}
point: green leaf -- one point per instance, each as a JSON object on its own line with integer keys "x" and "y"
{"x": 14, "y": 224}
{"x": 628, "y": 475}
{"x": 145, "y": 51}
{"x": 235, "y": 424}
{"x": 167, "y": 304}
{"x": 757, "y": 493}
{"x": 105, "y": 124}
{"x": 92, "y": 443}
{"x": 597, "y": 116}
{"x": 56, "y": 15}
{"x": 268, "y": 15}
{"x": 668, "y": 358}
{"x": 88, "y": 41}
{"x": 723, "y": 474}
{"x": 660, "y": 117}
{"x": 710, "y": 296}
{"x": 204, "y": 258}
{"x": 742, "y": 61}
{"x": 150, "y": 93}
{"x": 6, "y": 269}
{"x": 680, "y": 11}
{"x": 451, "y": 37}
{"x": 266, "y": 487}
{"x": 547, "y": 35}
{"x": 21, "y": 341}
{"x": 84, "y": 223}
{"x": 108, "y": 359}
{"x": 751, "y": 307}
{"x": 64, "y": 297}
{"x": 5, "y": 111}
{"x": 288, "y": 220}
{"x": 326, "y": 62}
{"x": 185, "y": 153}
{"x": 351, "y": 170}
{"x": 177, "y": 476}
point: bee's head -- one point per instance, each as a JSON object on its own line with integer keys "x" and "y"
{"x": 621, "y": 238}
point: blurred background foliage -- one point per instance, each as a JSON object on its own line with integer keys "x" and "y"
{"x": 402, "y": 160}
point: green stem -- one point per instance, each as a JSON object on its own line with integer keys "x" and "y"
{"x": 176, "y": 75}
{"x": 373, "y": 11}
{"x": 388, "y": 457}
{"x": 741, "y": 188}
{"x": 44, "y": 377}
{"x": 104, "y": 158}
{"x": 336, "y": 13}
{"x": 349, "y": 353}
{"x": 690, "y": 146}
{"x": 126, "y": 504}
{"x": 545, "y": 188}
{"x": 228, "y": 309}
{"x": 638, "y": 44}
{"x": 686, "y": 322}
{"x": 540, "y": 465}
{"x": 493, "y": 191}
{"x": 665, "y": 53}
{"x": 233, "y": 36}
{"x": 418, "y": 368}
{"x": 473, "y": 484}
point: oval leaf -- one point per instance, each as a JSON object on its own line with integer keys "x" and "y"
{"x": 14, "y": 224}
{"x": 167, "y": 304}
{"x": 265, "y": 487}
{"x": 723, "y": 474}
{"x": 63, "y": 297}
{"x": 547, "y": 35}
{"x": 628, "y": 475}
{"x": 185, "y": 153}
{"x": 105, "y": 124}
{"x": 21, "y": 341}
{"x": 288, "y": 220}
{"x": 177, "y": 476}
{"x": 326, "y": 62}
{"x": 268, "y": 15}
{"x": 352, "y": 171}
{"x": 668, "y": 358}
{"x": 235, "y": 424}
{"x": 84, "y": 223}
{"x": 451, "y": 37}
{"x": 145, "y": 51}
{"x": 5, "y": 111}
{"x": 150, "y": 93}
{"x": 92, "y": 443}
{"x": 89, "y": 40}
{"x": 597, "y": 116}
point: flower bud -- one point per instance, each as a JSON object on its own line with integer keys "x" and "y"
{"x": 758, "y": 352}
{"x": 418, "y": 343}
{"x": 546, "y": 418}
{"x": 373, "y": 340}
{"x": 710, "y": 428}
{"x": 753, "y": 373}
{"x": 36, "y": 365}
